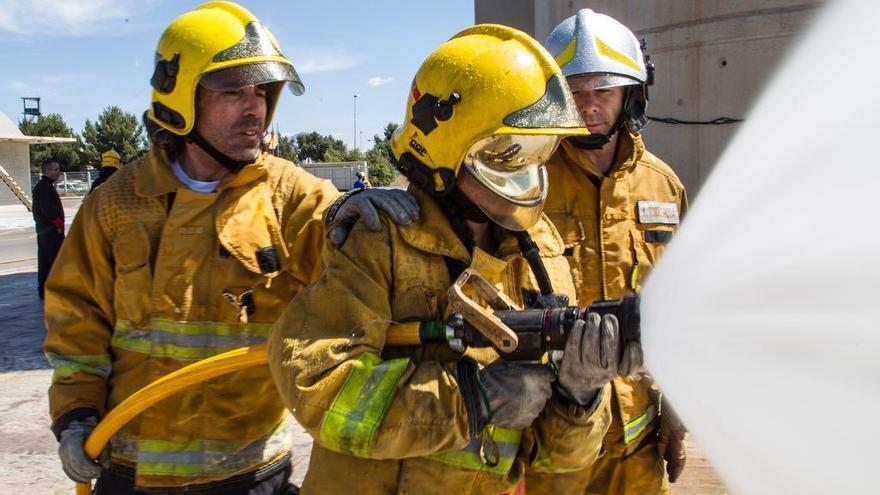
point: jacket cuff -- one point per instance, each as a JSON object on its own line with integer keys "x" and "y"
{"x": 574, "y": 412}
{"x": 466, "y": 373}
{"x": 77, "y": 414}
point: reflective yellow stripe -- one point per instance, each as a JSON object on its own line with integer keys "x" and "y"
{"x": 615, "y": 55}
{"x": 188, "y": 340}
{"x": 67, "y": 365}
{"x": 505, "y": 439}
{"x": 350, "y": 424}
{"x": 634, "y": 428}
{"x": 201, "y": 457}
{"x": 567, "y": 55}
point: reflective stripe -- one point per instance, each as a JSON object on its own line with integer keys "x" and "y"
{"x": 634, "y": 428}
{"x": 200, "y": 457}
{"x": 606, "y": 50}
{"x": 469, "y": 457}
{"x": 350, "y": 424}
{"x": 68, "y": 365}
{"x": 188, "y": 340}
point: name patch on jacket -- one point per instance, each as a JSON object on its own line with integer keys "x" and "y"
{"x": 658, "y": 212}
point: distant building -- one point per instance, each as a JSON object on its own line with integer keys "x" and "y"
{"x": 15, "y": 156}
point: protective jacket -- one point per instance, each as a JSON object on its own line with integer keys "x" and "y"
{"x": 154, "y": 277}
{"x": 615, "y": 227}
{"x": 391, "y": 420}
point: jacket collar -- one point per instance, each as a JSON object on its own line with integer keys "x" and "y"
{"x": 629, "y": 152}
{"x": 432, "y": 233}
{"x": 155, "y": 178}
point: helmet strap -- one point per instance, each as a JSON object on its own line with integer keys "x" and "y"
{"x": 228, "y": 162}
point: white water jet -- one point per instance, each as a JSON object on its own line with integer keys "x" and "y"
{"x": 761, "y": 321}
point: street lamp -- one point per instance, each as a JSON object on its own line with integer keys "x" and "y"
{"x": 354, "y": 136}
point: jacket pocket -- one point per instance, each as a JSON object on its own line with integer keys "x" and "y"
{"x": 134, "y": 275}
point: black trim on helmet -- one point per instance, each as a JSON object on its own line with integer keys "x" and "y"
{"x": 422, "y": 176}
{"x": 168, "y": 115}
{"x": 165, "y": 73}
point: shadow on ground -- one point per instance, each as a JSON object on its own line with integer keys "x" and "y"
{"x": 22, "y": 330}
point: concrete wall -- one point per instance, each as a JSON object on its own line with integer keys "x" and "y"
{"x": 16, "y": 159}
{"x": 712, "y": 58}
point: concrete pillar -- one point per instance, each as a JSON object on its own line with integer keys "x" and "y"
{"x": 713, "y": 57}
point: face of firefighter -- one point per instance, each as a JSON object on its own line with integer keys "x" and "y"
{"x": 232, "y": 121}
{"x": 598, "y": 107}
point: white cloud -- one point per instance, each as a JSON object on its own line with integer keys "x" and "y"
{"x": 70, "y": 17}
{"x": 379, "y": 81}
{"x": 45, "y": 86}
{"x": 314, "y": 60}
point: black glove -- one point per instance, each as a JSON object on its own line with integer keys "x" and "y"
{"x": 400, "y": 206}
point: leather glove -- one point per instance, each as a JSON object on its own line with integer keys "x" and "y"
{"x": 671, "y": 443}
{"x": 515, "y": 393}
{"x": 76, "y": 464}
{"x": 590, "y": 359}
{"x": 400, "y": 206}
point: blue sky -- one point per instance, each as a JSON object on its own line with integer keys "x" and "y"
{"x": 81, "y": 56}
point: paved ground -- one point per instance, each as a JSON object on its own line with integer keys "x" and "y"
{"x": 28, "y": 462}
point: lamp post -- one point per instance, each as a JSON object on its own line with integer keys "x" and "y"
{"x": 354, "y": 136}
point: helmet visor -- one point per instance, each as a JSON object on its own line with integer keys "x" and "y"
{"x": 504, "y": 175}
{"x": 583, "y": 82}
{"x": 509, "y": 165}
{"x": 254, "y": 74}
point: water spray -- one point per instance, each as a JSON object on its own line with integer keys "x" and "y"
{"x": 761, "y": 321}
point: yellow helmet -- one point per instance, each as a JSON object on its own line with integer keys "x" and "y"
{"x": 494, "y": 100}
{"x": 222, "y": 46}
{"x": 110, "y": 159}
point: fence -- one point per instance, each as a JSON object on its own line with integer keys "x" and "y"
{"x": 72, "y": 183}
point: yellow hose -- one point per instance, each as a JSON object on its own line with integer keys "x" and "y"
{"x": 397, "y": 335}
{"x": 164, "y": 387}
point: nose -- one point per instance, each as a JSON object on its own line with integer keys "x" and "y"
{"x": 255, "y": 102}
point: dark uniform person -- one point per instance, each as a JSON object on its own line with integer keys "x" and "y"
{"x": 49, "y": 220}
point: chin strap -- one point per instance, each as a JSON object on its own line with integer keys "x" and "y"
{"x": 223, "y": 159}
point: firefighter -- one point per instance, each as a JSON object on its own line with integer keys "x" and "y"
{"x": 190, "y": 251}
{"x": 110, "y": 161}
{"x": 485, "y": 111}
{"x": 616, "y": 206}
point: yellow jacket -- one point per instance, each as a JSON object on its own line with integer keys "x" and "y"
{"x": 392, "y": 420}
{"x": 614, "y": 229}
{"x": 153, "y": 277}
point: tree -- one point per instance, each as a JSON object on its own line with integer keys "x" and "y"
{"x": 314, "y": 146}
{"x": 114, "y": 129}
{"x": 382, "y": 172}
{"x": 286, "y": 149}
{"x": 380, "y": 159}
{"x": 67, "y": 154}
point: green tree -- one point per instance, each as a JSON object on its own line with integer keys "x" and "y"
{"x": 314, "y": 146}
{"x": 286, "y": 149}
{"x": 333, "y": 155}
{"x": 380, "y": 161}
{"x": 67, "y": 154}
{"x": 382, "y": 172}
{"x": 114, "y": 129}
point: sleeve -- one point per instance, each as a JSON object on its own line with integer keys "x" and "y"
{"x": 41, "y": 202}
{"x": 568, "y": 437}
{"x": 79, "y": 316}
{"x": 325, "y": 354}
{"x": 303, "y": 226}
